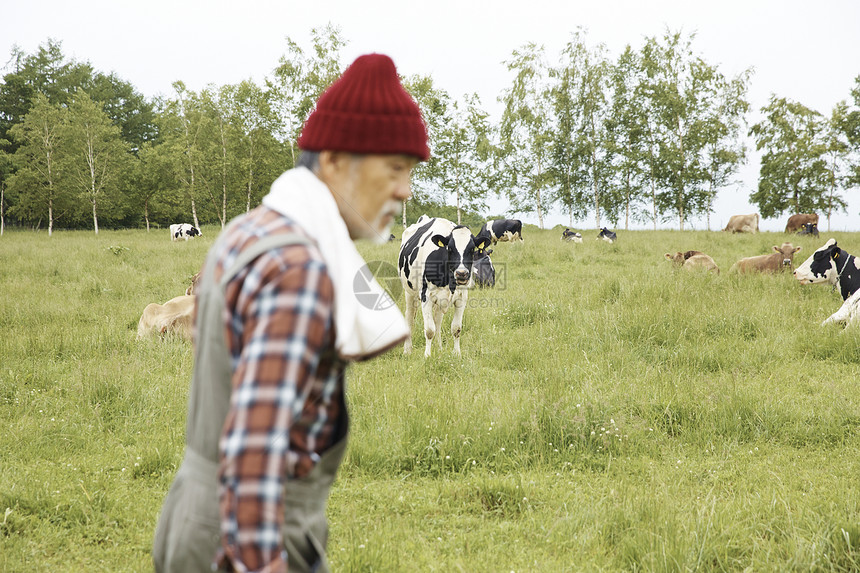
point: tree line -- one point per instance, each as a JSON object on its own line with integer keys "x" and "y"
{"x": 651, "y": 136}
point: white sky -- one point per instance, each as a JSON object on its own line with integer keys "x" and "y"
{"x": 802, "y": 50}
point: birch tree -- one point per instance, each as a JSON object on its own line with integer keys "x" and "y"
{"x": 589, "y": 69}
{"x": 434, "y": 104}
{"x": 191, "y": 122}
{"x": 676, "y": 91}
{"x": 300, "y": 78}
{"x": 792, "y": 173}
{"x": 37, "y": 181}
{"x": 96, "y": 155}
{"x": 253, "y": 124}
{"x": 722, "y": 150}
{"x": 836, "y": 148}
{"x": 465, "y": 156}
{"x": 627, "y": 140}
{"x": 526, "y": 132}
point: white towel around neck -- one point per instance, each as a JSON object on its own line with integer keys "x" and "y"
{"x": 362, "y": 331}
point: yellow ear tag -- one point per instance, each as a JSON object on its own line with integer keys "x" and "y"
{"x": 836, "y": 255}
{"x": 441, "y": 244}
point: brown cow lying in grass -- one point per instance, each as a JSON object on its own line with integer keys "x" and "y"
{"x": 693, "y": 260}
{"x": 781, "y": 259}
{"x": 175, "y": 316}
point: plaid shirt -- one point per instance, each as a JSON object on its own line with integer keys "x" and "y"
{"x": 287, "y": 404}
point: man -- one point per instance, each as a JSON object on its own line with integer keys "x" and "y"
{"x": 277, "y": 322}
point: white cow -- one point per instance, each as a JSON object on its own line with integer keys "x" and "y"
{"x": 435, "y": 266}
{"x": 183, "y": 231}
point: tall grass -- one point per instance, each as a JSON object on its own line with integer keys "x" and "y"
{"x": 609, "y": 413}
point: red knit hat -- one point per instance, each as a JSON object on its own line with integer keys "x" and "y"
{"x": 367, "y": 110}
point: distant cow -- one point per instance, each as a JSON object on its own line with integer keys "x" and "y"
{"x": 702, "y": 261}
{"x": 435, "y": 266}
{"x": 832, "y": 265}
{"x": 483, "y": 270}
{"x": 176, "y": 316}
{"x": 391, "y": 238}
{"x": 782, "y": 258}
{"x": 503, "y": 230}
{"x": 691, "y": 260}
{"x": 568, "y": 235}
{"x": 795, "y": 222}
{"x": 607, "y": 235}
{"x": 743, "y": 223}
{"x": 183, "y": 231}
{"x": 809, "y": 229}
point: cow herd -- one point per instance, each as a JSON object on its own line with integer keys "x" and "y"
{"x": 439, "y": 262}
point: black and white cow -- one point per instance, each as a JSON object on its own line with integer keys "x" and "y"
{"x": 503, "y": 230}
{"x": 482, "y": 269}
{"x": 568, "y": 235}
{"x": 832, "y": 265}
{"x": 183, "y": 231}
{"x": 435, "y": 266}
{"x": 808, "y": 229}
{"x": 607, "y": 235}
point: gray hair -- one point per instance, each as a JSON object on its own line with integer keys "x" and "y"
{"x": 309, "y": 159}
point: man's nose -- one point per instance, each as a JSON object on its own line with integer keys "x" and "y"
{"x": 403, "y": 191}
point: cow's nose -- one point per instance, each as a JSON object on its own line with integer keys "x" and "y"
{"x": 786, "y": 262}
{"x": 461, "y": 275}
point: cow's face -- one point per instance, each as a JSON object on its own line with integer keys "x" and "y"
{"x": 461, "y": 247}
{"x": 821, "y": 266}
{"x": 483, "y": 269}
{"x": 809, "y": 229}
{"x": 677, "y": 258}
{"x": 787, "y": 251}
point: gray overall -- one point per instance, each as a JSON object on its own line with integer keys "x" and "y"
{"x": 188, "y": 532}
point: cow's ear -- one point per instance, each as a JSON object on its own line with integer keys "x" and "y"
{"x": 481, "y": 244}
{"x": 775, "y": 248}
{"x": 668, "y": 256}
{"x": 440, "y": 240}
{"x": 797, "y": 249}
{"x": 489, "y": 251}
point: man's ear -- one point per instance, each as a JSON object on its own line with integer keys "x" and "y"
{"x": 332, "y": 163}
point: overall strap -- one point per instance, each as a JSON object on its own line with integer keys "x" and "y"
{"x": 266, "y": 243}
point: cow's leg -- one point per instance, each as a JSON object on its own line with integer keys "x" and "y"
{"x": 457, "y": 321}
{"x": 428, "y": 310}
{"x": 434, "y": 317}
{"x": 411, "y": 309}
{"x": 438, "y": 315}
{"x": 844, "y": 313}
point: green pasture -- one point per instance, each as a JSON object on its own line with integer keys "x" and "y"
{"x": 609, "y": 413}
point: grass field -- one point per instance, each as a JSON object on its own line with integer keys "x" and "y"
{"x": 608, "y": 413}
